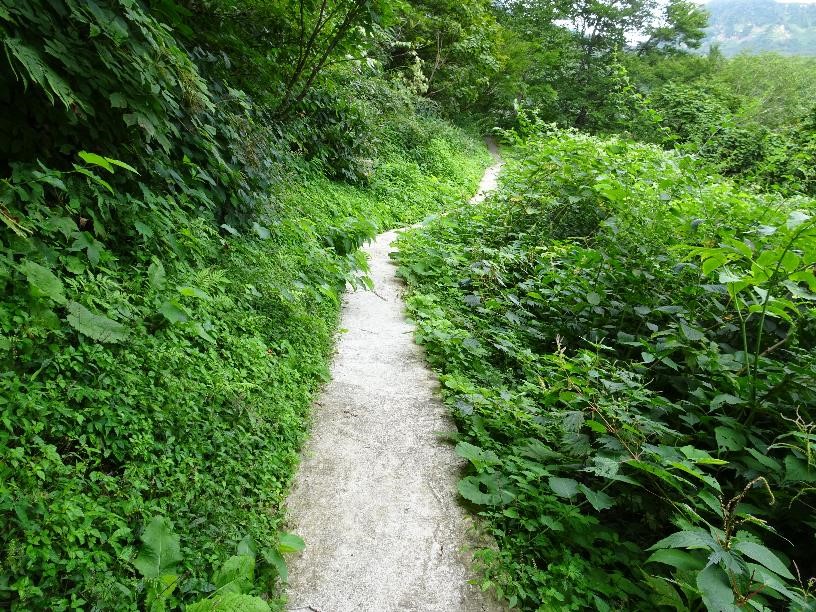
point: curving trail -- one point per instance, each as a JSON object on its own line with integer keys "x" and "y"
{"x": 375, "y": 497}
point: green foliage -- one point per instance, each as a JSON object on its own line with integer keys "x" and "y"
{"x": 626, "y": 342}
{"x": 172, "y": 253}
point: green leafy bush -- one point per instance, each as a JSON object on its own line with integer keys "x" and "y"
{"x": 626, "y": 342}
{"x": 171, "y": 264}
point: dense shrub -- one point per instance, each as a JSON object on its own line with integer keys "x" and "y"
{"x": 626, "y": 342}
{"x": 171, "y": 260}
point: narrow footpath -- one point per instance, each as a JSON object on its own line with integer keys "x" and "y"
{"x": 375, "y": 498}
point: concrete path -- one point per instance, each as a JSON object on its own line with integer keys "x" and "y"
{"x": 375, "y": 498}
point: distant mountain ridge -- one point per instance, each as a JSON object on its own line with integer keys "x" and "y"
{"x": 762, "y": 25}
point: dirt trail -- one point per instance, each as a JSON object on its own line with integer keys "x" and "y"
{"x": 375, "y": 497}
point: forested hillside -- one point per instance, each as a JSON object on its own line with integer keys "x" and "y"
{"x": 755, "y": 26}
{"x": 625, "y": 331}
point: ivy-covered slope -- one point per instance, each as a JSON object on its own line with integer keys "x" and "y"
{"x": 170, "y": 270}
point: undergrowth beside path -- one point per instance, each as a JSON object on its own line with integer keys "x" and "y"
{"x": 626, "y": 342}
{"x": 164, "y": 322}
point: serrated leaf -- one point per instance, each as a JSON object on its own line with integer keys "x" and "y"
{"x": 230, "y": 602}
{"x": 95, "y": 326}
{"x": 764, "y": 557}
{"x": 494, "y": 492}
{"x": 160, "y": 552}
{"x": 43, "y": 280}
{"x": 691, "y": 333}
{"x": 476, "y": 455}
{"x": 563, "y": 487}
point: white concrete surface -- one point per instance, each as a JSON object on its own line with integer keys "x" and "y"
{"x": 375, "y": 498}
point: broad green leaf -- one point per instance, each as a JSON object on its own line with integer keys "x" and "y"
{"x": 173, "y": 312}
{"x": 95, "y": 178}
{"x": 685, "y": 539}
{"x": 484, "y": 490}
{"x": 729, "y": 438}
{"x": 593, "y": 298}
{"x": 728, "y": 275}
{"x": 796, "y": 219}
{"x": 799, "y": 470}
{"x": 263, "y": 232}
{"x": 597, "y": 499}
{"x": 290, "y": 543}
{"x": 236, "y": 575}
{"x": 193, "y": 292}
{"x": 276, "y": 560}
{"x": 95, "y": 160}
{"x": 677, "y": 558}
{"x": 160, "y": 552}
{"x": 725, "y": 398}
{"x": 716, "y": 590}
{"x": 156, "y": 275}
{"x": 95, "y": 326}
{"x": 43, "y": 280}
{"x": 144, "y": 229}
{"x": 230, "y": 602}
{"x": 691, "y": 333}
{"x": 764, "y": 557}
{"x": 121, "y": 164}
{"x": 712, "y": 263}
{"x": 664, "y": 594}
{"x": 563, "y": 487}
{"x": 476, "y": 455}
{"x": 671, "y": 479}
{"x": 246, "y": 546}
{"x": 700, "y": 456}
{"x": 117, "y": 100}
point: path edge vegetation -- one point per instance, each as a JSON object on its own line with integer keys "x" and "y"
{"x": 183, "y": 188}
{"x": 601, "y": 329}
